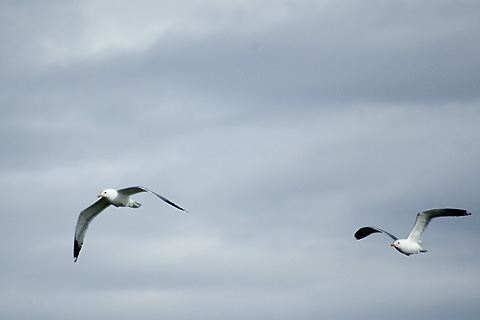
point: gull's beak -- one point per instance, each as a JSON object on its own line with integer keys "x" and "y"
{"x": 393, "y": 245}
{"x": 99, "y": 196}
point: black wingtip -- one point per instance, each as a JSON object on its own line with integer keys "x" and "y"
{"x": 364, "y": 232}
{"x": 173, "y": 204}
{"x": 359, "y": 234}
{"x": 170, "y": 202}
{"x": 457, "y": 212}
{"x": 163, "y": 198}
{"x": 76, "y": 250}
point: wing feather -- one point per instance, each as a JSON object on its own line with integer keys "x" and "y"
{"x": 424, "y": 217}
{"x": 366, "y": 231}
{"x": 133, "y": 190}
{"x": 83, "y": 221}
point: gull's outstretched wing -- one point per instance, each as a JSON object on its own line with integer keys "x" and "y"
{"x": 134, "y": 190}
{"x": 84, "y": 219}
{"x": 366, "y": 231}
{"x": 424, "y": 217}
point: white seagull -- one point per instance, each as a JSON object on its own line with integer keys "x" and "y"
{"x": 118, "y": 198}
{"x": 411, "y": 245}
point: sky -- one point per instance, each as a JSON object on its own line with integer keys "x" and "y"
{"x": 281, "y": 126}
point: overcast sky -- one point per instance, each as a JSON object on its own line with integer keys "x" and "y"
{"x": 282, "y": 126}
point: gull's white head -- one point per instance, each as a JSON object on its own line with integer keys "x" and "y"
{"x": 108, "y": 194}
{"x": 401, "y": 246}
{"x": 396, "y": 244}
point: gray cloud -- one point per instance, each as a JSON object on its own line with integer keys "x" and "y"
{"x": 282, "y": 127}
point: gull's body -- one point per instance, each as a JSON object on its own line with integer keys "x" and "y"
{"x": 117, "y": 198}
{"x": 411, "y": 245}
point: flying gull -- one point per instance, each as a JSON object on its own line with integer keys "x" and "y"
{"x": 411, "y": 245}
{"x": 117, "y": 198}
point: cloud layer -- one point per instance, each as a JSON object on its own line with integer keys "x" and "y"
{"x": 282, "y": 126}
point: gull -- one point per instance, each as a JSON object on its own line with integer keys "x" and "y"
{"x": 411, "y": 245}
{"x": 117, "y": 198}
